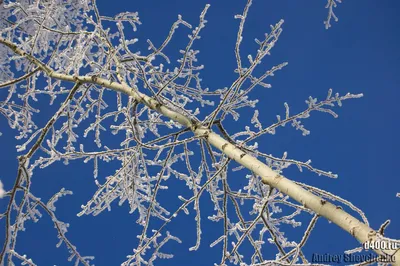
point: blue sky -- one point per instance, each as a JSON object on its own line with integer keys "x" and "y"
{"x": 359, "y": 54}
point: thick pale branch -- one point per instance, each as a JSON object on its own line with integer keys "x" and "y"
{"x": 333, "y": 213}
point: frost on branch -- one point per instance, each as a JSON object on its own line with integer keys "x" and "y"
{"x": 295, "y": 120}
{"x": 23, "y": 258}
{"x": 138, "y": 110}
{"x": 331, "y": 5}
{"x": 154, "y": 249}
{"x": 29, "y": 210}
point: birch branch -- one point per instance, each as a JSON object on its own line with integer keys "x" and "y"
{"x": 335, "y": 214}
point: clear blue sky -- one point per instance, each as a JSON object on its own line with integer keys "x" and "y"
{"x": 359, "y": 54}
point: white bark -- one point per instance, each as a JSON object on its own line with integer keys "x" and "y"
{"x": 335, "y": 214}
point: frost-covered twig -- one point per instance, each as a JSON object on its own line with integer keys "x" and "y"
{"x": 330, "y": 5}
{"x": 141, "y": 101}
